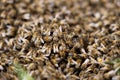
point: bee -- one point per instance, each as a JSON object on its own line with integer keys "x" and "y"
{"x": 74, "y": 77}
{"x": 30, "y": 52}
{"x": 109, "y": 74}
{"x": 94, "y": 53}
{"x": 31, "y": 66}
{"x": 26, "y": 16}
{"x": 32, "y": 73}
{"x": 47, "y": 32}
{"x": 114, "y": 27}
{"x": 62, "y": 53}
{"x": 43, "y": 50}
{"x": 102, "y": 48}
{"x": 47, "y": 38}
{"x": 55, "y": 48}
{"x": 105, "y": 68}
{"x": 93, "y": 60}
{"x": 85, "y": 63}
{"x": 117, "y": 43}
{"x": 116, "y": 78}
{"x": 99, "y": 76}
{"x": 1, "y": 68}
{"x": 79, "y": 61}
{"x": 48, "y": 51}
{"x": 10, "y": 30}
{"x": 55, "y": 62}
{"x": 11, "y": 42}
{"x": 1, "y": 44}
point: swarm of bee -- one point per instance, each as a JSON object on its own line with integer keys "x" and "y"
{"x": 60, "y": 39}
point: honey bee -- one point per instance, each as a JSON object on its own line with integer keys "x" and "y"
{"x": 109, "y": 74}
{"x": 47, "y": 38}
{"x": 31, "y": 66}
{"x": 1, "y": 44}
{"x": 55, "y": 48}
{"x": 1, "y": 68}
{"x": 85, "y": 63}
